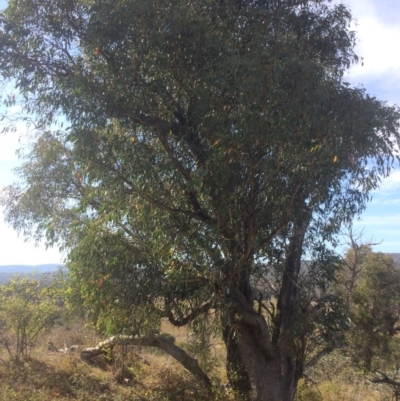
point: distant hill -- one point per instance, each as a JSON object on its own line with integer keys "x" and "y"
{"x": 29, "y": 269}
{"x": 7, "y": 271}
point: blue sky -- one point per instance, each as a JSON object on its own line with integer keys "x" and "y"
{"x": 378, "y": 27}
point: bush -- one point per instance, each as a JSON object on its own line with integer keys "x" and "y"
{"x": 28, "y": 307}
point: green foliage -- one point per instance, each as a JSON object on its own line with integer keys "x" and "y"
{"x": 375, "y": 313}
{"x": 208, "y": 144}
{"x": 28, "y": 307}
{"x": 367, "y": 285}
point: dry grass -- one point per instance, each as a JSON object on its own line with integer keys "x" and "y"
{"x": 340, "y": 391}
{"x": 150, "y": 375}
{"x": 47, "y": 375}
{"x": 336, "y": 379}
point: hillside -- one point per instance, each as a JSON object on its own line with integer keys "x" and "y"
{"x": 7, "y": 271}
{"x": 135, "y": 373}
{"x": 28, "y": 269}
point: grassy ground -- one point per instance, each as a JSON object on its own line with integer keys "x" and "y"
{"x": 140, "y": 374}
{"x": 150, "y": 375}
{"x": 334, "y": 378}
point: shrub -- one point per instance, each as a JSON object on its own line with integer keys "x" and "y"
{"x": 28, "y": 307}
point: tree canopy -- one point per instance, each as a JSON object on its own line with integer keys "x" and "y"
{"x": 208, "y": 145}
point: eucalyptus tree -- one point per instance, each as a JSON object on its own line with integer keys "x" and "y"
{"x": 210, "y": 144}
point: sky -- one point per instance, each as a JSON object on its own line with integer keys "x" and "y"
{"x": 377, "y": 23}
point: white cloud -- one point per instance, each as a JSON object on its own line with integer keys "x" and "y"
{"x": 377, "y": 46}
{"x": 389, "y": 185}
{"x": 378, "y": 38}
{"x": 376, "y": 220}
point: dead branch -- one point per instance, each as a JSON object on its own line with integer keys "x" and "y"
{"x": 156, "y": 341}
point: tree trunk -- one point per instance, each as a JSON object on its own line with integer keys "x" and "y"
{"x": 259, "y": 368}
{"x": 269, "y": 361}
{"x": 263, "y": 376}
{"x": 235, "y": 368}
{"x": 271, "y": 378}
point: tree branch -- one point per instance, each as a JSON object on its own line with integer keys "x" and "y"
{"x": 238, "y": 304}
{"x": 385, "y": 379}
{"x": 189, "y": 318}
{"x": 285, "y": 222}
{"x": 198, "y": 214}
{"x": 157, "y": 341}
{"x": 317, "y": 357}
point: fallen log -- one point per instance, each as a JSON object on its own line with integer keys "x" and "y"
{"x": 155, "y": 341}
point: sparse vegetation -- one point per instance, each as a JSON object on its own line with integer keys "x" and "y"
{"x": 154, "y": 376}
{"x": 133, "y": 373}
{"x": 138, "y": 373}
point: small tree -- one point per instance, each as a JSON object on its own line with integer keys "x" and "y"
{"x": 375, "y": 312}
{"x": 28, "y": 307}
{"x": 369, "y": 283}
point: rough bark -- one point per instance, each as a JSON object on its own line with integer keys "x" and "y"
{"x": 263, "y": 369}
{"x": 266, "y": 354}
{"x": 235, "y": 368}
{"x": 160, "y": 342}
{"x": 267, "y": 381}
